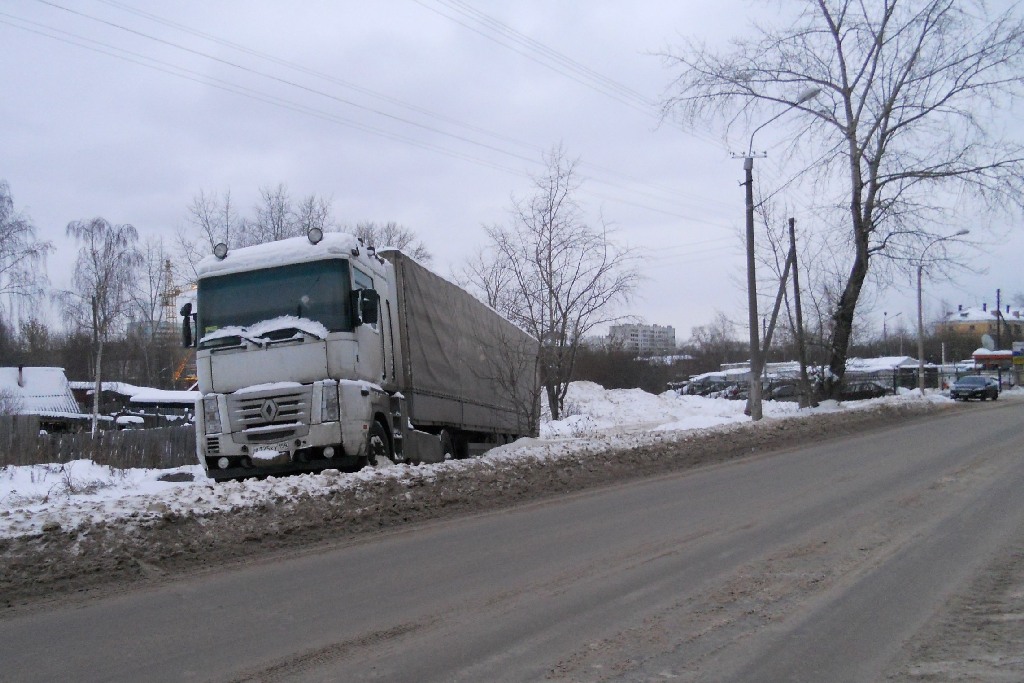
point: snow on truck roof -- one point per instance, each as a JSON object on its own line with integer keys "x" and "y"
{"x": 286, "y": 251}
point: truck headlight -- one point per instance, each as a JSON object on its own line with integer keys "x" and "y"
{"x": 211, "y": 415}
{"x": 330, "y": 408}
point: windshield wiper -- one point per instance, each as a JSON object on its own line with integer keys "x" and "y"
{"x": 232, "y": 341}
{"x": 285, "y": 334}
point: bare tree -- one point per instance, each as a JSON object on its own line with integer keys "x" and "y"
{"x": 36, "y": 341}
{"x": 212, "y": 220}
{"x": 152, "y": 306}
{"x": 905, "y": 125}
{"x": 392, "y": 234}
{"x": 274, "y": 217}
{"x": 554, "y": 275}
{"x": 10, "y": 402}
{"x": 313, "y": 212}
{"x": 102, "y": 280}
{"x": 22, "y": 255}
{"x": 716, "y": 343}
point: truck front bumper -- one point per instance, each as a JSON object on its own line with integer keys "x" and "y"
{"x": 225, "y": 458}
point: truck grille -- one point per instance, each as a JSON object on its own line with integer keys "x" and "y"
{"x": 271, "y": 415}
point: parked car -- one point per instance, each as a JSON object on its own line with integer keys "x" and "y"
{"x": 974, "y": 386}
{"x": 784, "y": 392}
{"x": 711, "y": 387}
{"x": 858, "y": 391}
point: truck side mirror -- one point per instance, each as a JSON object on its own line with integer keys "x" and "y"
{"x": 364, "y": 306}
{"x": 369, "y": 306}
{"x": 186, "y": 325}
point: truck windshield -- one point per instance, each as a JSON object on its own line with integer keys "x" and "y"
{"x": 318, "y": 291}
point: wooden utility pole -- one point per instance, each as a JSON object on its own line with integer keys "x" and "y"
{"x": 806, "y": 396}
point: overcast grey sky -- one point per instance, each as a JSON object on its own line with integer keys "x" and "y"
{"x": 430, "y": 113}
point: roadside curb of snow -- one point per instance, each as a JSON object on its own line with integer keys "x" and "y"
{"x": 296, "y": 513}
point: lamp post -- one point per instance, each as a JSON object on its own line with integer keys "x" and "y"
{"x": 754, "y": 394}
{"x": 885, "y": 331}
{"x": 920, "y": 307}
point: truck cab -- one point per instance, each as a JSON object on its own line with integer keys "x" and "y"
{"x": 286, "y": 334}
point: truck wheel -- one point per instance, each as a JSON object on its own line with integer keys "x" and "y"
{"x": 377, "y": 444}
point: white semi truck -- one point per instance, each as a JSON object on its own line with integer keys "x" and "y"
{"x": 322, "y": 352}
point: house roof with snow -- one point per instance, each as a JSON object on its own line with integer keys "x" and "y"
{"x": 992, "y": 354}
{"x": 39, "y": 391}
{"x": 136, "y": 394}
{"x": 122, "y": 388}
{"x": 880, "y": 364}
{"x": 982, "y": 314}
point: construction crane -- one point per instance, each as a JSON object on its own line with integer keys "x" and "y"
{"x": 184, "y": 374}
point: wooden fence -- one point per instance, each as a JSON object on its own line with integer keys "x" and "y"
{"x": 22, "y": 444}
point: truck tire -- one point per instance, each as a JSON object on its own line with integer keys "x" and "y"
{"x": 377, "y": 444}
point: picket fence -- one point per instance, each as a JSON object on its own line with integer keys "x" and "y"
{"x": 163, "y": 448}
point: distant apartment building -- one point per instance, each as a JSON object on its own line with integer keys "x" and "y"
{"x": 644, "y": 340}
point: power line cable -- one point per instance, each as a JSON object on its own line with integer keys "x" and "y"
{"x": 286, "y": 81}
{"x": 527, "y": 53}
{"x": 673, "y": 193}
{"x": 597, "y": 79}
{"x": 544, "y": 55}
{"x": 188, "y": 74}
{"x": 291, "y": 105}
{"x": 318, "y": 74}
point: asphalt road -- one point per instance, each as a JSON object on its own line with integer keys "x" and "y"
{"x": 821, "y": 563}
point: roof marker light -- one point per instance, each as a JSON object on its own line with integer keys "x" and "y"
{"x": 315, "y": 235}
{"x": 220, "y": 251}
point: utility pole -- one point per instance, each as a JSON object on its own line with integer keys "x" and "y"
{"x": 885, "y": 332}
{"x": 754, "y": 393}
{"x": 805, "y": 384}
{"x": 920, "y": 307}
{"x": 999, "y": 334}
{"x": 920, "y": 331}
{"x": 754, "y": 396}
{"x": 999, "y": 320}
{"x": 770, "y": 329}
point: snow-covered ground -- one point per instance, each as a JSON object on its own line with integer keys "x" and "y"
{"x": 40, "y": 497}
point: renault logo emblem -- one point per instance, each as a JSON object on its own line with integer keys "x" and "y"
{"x": 269, "y": 410}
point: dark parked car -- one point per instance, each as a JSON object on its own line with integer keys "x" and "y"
{"x": 974, "y": 386}
{"x": 858, "y": 391}
{"x": 784, "y": 392}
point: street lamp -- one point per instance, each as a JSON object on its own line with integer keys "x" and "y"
{"x": 885, "y": 331}
{"x": 754, "y": 400}
{"x": 920, "y": 307}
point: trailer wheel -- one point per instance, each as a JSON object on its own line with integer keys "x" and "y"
{"x": 377, "y": 444}
{"x": 447, "y": 443}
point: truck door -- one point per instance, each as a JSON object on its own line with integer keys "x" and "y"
{"x": 369, "y": 336}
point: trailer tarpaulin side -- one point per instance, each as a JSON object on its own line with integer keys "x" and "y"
{"x": 463, "y": 365}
